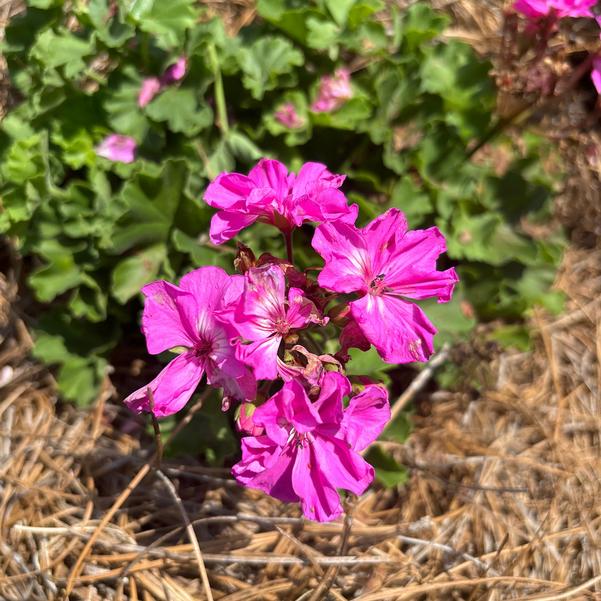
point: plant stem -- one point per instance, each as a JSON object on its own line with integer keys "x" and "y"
{"x": 289, "y": 247}
{"x": 220, "y": 104}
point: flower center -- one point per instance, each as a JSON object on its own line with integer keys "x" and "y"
{"x": 281, "y": 326}
{"x": 203, "y": 348}
{"x": 297, "y": 439}
{"x": 376, "y": 286}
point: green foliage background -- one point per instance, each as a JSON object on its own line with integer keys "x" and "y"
{"x": 95, "y": 231}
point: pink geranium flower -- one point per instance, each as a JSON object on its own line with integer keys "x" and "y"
{"x": 187, "y": 316}
{"x": 121, "y": 149}
{"x": 536, "y": 9}
{"x": 272, "y": 195}
{"x": 175, "y": 72}
{"x": 309, "y": 450}
{"x": 151, "y": 86}
{"x": 334, "y": 91}
{"x": 265, "y": 315}
{"x": 288, "y": 117}
{"x": 385, "y": 262}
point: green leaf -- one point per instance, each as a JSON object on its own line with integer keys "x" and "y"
{"x": 322, "y": 35}
{"x": 398, "y": 429}
{"x": 79, "y": 378}
{"x": 408, "y": 197}
{"x": 421, "y": 24}
{"x": 209, "y": 432}
{"x": 152, "y": 202}
{"x": 179, "y": 107}
{"x": 59, "y": 275}
{"x": 200, "y": 255}
{"x": 110, "y": 28}
{"x": 243, "y": 148}
{"x": 134, "y": 272}
{"x": 168, "y": 21}
{"x": 367, "y": 363}
{"x": 349, "y": 116}
{"x": 63, "y": 49}
{"x": 388, "y": 471}
{"x": 339, "y": 9}
{"x": 265, "y": 62}
{"x": 512, "y": 336}
{"x": 124, "y": 114}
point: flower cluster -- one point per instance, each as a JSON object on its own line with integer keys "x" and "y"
{"x": 260, "y": 335}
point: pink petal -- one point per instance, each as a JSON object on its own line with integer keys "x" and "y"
{"x": 340, "y": 466}
{"x": 381, "y": 235}
{"x": 117, "y": 148}
{"x": 334, "y": 387}
{"x": 315, "y": 176}
{"x": 319, "y": 500}
{"x": 262, "y": 356}
{"x": 400, "y": 331}
{"x": 225, "y": 225}
{"x": 366, "y": 417}
{"x": 596, "y": 74}
{"x": 209, "y": 286}
{"x": 296, "y": 408}
{"x": 262, "y": 304}
{"x": 533, "y": 9}
{"x": 272, "y": 175}
{"x": 150, "y": 88}
{"x": 301, "y": 310}
{"x": 265, "y": 467}
{"x": 171, "y": 389}
{"x": 347, "y": 261}
{"x": 176, "y": 71}
{"x": 166, "y": 320}
{"x": 228, "y": 191}
{"x": 411, "y": 271}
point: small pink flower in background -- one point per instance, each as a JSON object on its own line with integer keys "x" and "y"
{"x": 121, "y": 149}
{"x": 596, "y": 73}
{"x": 272, "y": 195}
{"x": 536, "y": 9}
{"x": 309, "y": 450}
{"x": 264, "y": 316}
{"x": 385, "y": 262}
{"x": 150, "y": 88}
{"x": 288, "y": 117}
{"x": 175, "y": 72}
{"x": 334, "y": 91}
{"x": 187, "y": 316}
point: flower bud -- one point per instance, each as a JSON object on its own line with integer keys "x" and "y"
{"x": 245, "y": 259}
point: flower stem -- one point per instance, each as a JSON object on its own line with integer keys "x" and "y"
{"x": 289, "y": 246}
{"x": 220, "y": 103}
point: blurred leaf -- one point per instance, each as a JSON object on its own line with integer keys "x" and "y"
{"x": 109, "y": 27}
{"x": 265, "y": 61}
{"x": 388, "y": 471}
{"x": 134, "y": 272}
{"x": 168, "y": 21}
{"x": 512, "y": 336}
{"x": 209, "y": 432}
{"x": 62, "y": 50}
{"x": 151, "y": 201}
{"x": 398, "y": 429}
{"x": 180, "y": 109}
{"x": 339, "y": 9}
